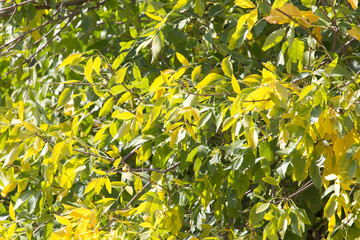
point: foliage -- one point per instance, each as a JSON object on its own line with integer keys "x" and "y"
{"x": 179, "y": 119}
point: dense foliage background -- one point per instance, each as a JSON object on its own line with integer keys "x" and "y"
{"x": 189, "y": 119}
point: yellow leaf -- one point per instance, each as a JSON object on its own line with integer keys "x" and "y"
{"x": 12, "y": 156}
{"x": 88, "y": 70}
{"x": 11, "y": 230}
{"x": 81, "y": 213}
{"x": 97, "y": 64}
{"x": 174, "y": 136}
{"x": 108, "y": 185}
{"x": 306, "y": 90}
{"x": 67, "y": 177}
{"x": 227, "y": 67}
{"x": 106, "y": 109}
{"x": 353, "y": 3}
{"x": 228, "y": 123}
{"x": 99, "y": 185}
{"x": 253, "y": 139}
{"x": 208, "y": 79}
{"x": 138, "y": 184}
{"x": 260, "y": 98}
{"x": 244, "y": 4}
{"x": 276, "y": 17}
{"x": 120, "y": 75}
{"x": 283, "y": 138}
{"x": 354, "y": 32}
{"x": 69, "y": 60}
{"x": 57, "y": 152}
{"x": 21, "y": 111}
{"x": 124, "y": 115}
{"x": 153, "y": 16}
{"x": 310, "y": 16}
{"x": 100, "y": 133}
{"x": 196, "y": 73}
{"x": 9, "y": 188}
{"x": 62, "y": 220}
{"x": 12, "y": 212}
{"x": 180, "y": 4}
{"x": 129, "y": 189}
{"x": 237, "y": 34}
{"x": 127, "y": 213}
{"x": 235, "y": 85}
{"x": 279, "y": 3}
{"x": 332, "y": 223}
{"x": 156, "y": 84}
{"x": 190, "y": 130}
{"x": 178, "y": 74}
{"x": 91, "y": 185}
{"x": 281, "y": 90}
{"x": 182, "y": 59}
{"x": 251, "y": 20}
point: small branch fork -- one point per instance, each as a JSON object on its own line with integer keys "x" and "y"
{"x": 133, "y": 171}
{"x": 126, "y": 207}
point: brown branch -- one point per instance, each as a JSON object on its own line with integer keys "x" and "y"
{"x": 11, "y": 17}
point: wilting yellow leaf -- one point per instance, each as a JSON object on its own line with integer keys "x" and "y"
{"x": 355, "y": 33}
{"x": 353, "y": 3}
{"x": 277, "y": 17}
{"x": 310, "y": 16}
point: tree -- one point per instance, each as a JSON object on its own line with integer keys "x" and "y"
{"x": 179, "y": 119}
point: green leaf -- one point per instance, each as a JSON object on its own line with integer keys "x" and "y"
{"x": 234, "y": 40}
{"x": 199, "y": 8}
{"x": 297, "y": 50}
{"x": 330, "y": 207}
{"x": 227, "y": 67}
{"x": 156, "y": 45}
{"x": 191, "y": 155}
{"x": 262, "y": 207}
{"x": 65, "y": 96}
{"x": 12, "y": 156}
{"x": 270, "y": 180}
{"x": 273, "y": 39}
{"x": 106, "y": 109}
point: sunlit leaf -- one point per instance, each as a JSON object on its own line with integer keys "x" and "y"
{"x": 244, "y": 4}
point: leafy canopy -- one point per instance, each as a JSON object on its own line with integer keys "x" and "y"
{"x": 179, "y": 119}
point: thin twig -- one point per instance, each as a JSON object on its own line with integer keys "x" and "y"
{"x": 126, "y": 207}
